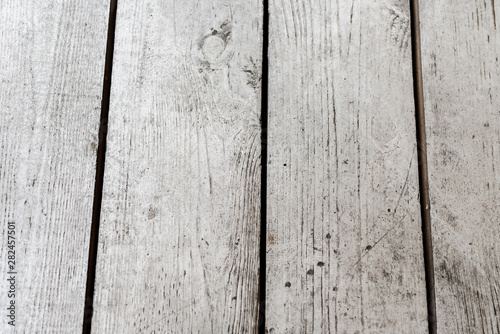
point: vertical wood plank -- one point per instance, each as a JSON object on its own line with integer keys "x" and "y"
{"x": 51, "y": 74}
{"x": 179, "y": 242}
{"x": 344, "y": 232}
{"x": 460, "y": 51}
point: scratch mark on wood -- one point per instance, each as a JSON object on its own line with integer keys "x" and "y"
{"x": 370, "y": 247}
{"x": 494, "y": 16}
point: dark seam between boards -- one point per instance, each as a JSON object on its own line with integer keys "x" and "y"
{"x": 263, "y": 195}
{"x": 99, "y": 177}
{"x": 423, "y": 174}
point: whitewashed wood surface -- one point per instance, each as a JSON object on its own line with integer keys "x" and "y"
{"x": 460, "y": 52}
{"x": 344, "y": 248}
{"x": 52, "y": 65}
{"x": 180, "y": 224}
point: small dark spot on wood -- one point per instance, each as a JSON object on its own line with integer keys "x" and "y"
{"x": 288, "y": 284}
{"x": 368, "y": 247}
{"x": 253, "y": 71}
{"x": 234, "y": 298}
{"x": 447, "y": 273}
{"x": 399, "y": 28}
{"x": 152, "y": 212}
{"x": 284, "y": 164}
{"x": 486, "y": 125}
{"x": 321, "y": 264}
{"x": 328, "y": 236}
{"x": 310, "y": 272}
{"x": 214, "y": 32}
{"x": 434, "y": 64}
{"x": 334, "y": 288}
{"x": 396, "y": 256}
{"x": 335, "y": 251}
{"x": 388, "y": 210}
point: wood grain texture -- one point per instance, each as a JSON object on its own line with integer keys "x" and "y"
{"x": 344, "y": 233}
{"x": 460, "y": 51}
{"x": 179, "y": 241}
{"x": 51, "y": 73}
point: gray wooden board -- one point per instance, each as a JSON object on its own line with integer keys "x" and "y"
{"x": 460, "y": 52}
{"x": 51, "y": 74}
{"x": 179, "y": 240}
{"x": 344, "y": 248}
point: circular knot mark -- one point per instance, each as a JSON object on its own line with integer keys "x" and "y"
{"x": 213, "y": 46}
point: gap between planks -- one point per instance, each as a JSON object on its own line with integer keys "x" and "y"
{"x": 423, "y": 174}
{"x": 99, "y": 177}
{"x": 263, "y": 195}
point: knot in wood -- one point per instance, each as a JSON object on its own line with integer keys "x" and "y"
{"x": 213, "y": 46}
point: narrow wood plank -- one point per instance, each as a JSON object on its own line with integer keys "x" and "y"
{"x": 344, "y": 234}
{"x": 51, "y": 71}
{"x": 460, "y": 51}
{"x": 179, "y": 241}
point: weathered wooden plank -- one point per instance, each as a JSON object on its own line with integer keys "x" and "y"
{"x": 460, "y": 51}
{"x": 344, "y": 234}
{"x": 51, "y": 72}
{"x": 179, "y": 241}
